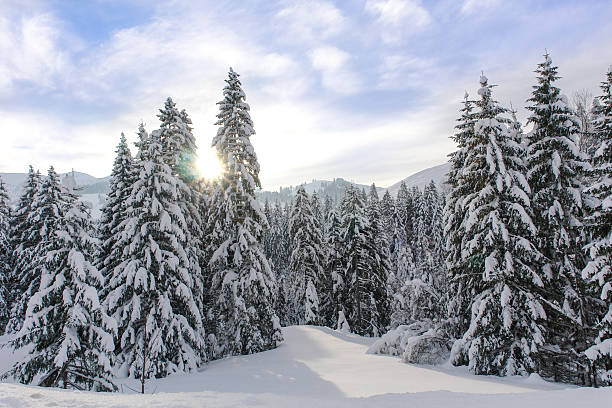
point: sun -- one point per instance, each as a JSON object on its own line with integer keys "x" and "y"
{"x": 208, "y": 163}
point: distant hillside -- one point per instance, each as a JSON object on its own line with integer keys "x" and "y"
{"x": 422, "y": 178}
{"x": 92, "y": 189}
{"x": 335, "y": 189}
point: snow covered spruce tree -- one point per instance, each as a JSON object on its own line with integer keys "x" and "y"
{"x": 280, "y": 254}
{"x": 306, "y": 264}
{"x": 179, "y": 153}
{"x": 114, "y": 212}
{"x": 364, "y": 269}
{"x": 460, "y": 279}
{"x": 599, "y": 223}
{"x": 70, "y": 334}
{"x": 505, "y": 329}
{"x": 6, "y": 252}
{"x": 150, "y": 293}
{"x": 423, "y": 293}
{"x": 555, "y": 168}
{"x": 380, "y": 260}
{"x": 242, "y": 282}
{"x": 25, "y": 234}
{"x": 334, "y": 267}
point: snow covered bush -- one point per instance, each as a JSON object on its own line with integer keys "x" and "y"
{"x": 431, "y": 347}
{"x": 422, "y": 342}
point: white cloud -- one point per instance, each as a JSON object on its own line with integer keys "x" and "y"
{"x": 473, "y": 6}
{"x": 334, "y": 65}
{"x": 29, "y": 44}
{"x": 311, "y": 21}
{"x": 398, "y": 18}
{"x": 400, "y": 71}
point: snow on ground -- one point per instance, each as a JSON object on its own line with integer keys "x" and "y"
{"x": 317, "y": 367}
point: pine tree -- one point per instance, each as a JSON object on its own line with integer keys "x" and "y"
{"x": 242, "y": 280}
{"x": 387, "y": 213}
{"x": 307, "y": 260}
{"x": 151, "y": 292}
{"x": 460, "y": 279}
{"x": 554, "y": 170}
{"x": 505, "y": 330}
{"x": 364, "y": 270}
{"x": 179, "y": 153}
{"x": 65, "y": 324}
{"x": 380, "y": 267}
{"x": 280, "y": 257}
{"x": 424, "y": 292}
{"x": 26, "y": 231}
{"x": 599, "y": 223}
{"x": 334, "y": 265}
{"x": 114, "y": 212}
{"x": 6, "y": 253}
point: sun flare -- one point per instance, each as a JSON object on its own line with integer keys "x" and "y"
{"x": 208, "y": 163}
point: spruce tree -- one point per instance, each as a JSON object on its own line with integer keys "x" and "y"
{"x": 6, "y": 253}
{"x": 599, "y": 223}
{"x": 506, "y": 329}
{"x": 70, "y": 334}
{"x": 242, "y": 280}
{"x": 151, "y": 291}
{"x": 307, "y": 260}
{"x": 179, "y": 153}
{"x": 26, "y": 230}
{"x": 424, "y": 292}
{"x": 459, "y": 271}
{"x": 380, "y": 267}
{"x": 364, "y": 270}
{"x": 555, "y": 168}
{"x": 114, "y": 212}
{"x": 334, "y": 265}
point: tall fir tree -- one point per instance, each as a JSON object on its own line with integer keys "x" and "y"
{"x": 69, "y": 332}
{"x": 114, "y": 212}
{"x": 179, "y": 153}
{"x": 506, "y": 329}
{"x": 599, "y": 224}
{"x": 555, "y": 168}
{"x": 334, "y": 265}
{"x": 307, "y": 260}
{"x": 380, "y": 267}
{"x": 242, "y": 281}
{"x": 6, "y": 253}
{"x": 26, "y": 230}
{"x": 460, "y": 280}
{"x": 364, "y": 270}
{"x": 151, "y": 291}
{"x": 423, "y": 293}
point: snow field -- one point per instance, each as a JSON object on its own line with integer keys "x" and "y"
{"x": 316, "y": 367}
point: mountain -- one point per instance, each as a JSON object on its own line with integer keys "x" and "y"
{"x": 93, "y": 189}
{"x": 422, "y": 178}
{"x": 335, "y": 189}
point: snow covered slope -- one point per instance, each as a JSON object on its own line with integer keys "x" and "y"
{"x": 318, "y": 367}
{"x": 422, "y": 178}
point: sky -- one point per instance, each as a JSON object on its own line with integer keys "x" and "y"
{"x": 367, "y": 90}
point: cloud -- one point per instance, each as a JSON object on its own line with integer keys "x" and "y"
{"x": 29, "y": 42}
{"x": 311, "y": 21}
{"x": 398, "y": 19}
{"x": 333, "y": 64}
{"x": 473, "y": 6}
{"x": 399, "y": 71}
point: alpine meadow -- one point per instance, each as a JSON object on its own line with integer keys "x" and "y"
{"x": 205, "y": 271}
